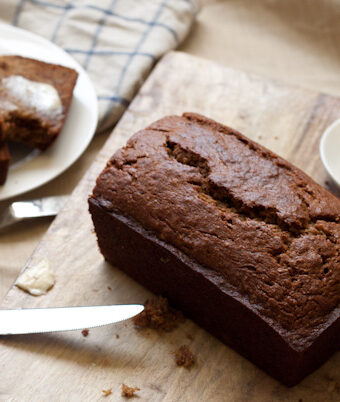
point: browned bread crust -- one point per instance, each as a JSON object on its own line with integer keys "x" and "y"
{"x": 28, "y": 125}
{"x": 241, "y": 240}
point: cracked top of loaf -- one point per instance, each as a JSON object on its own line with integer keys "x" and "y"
{"x": 263, "y": 227}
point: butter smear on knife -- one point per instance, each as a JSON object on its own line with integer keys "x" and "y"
{"x": 37, "y": 279}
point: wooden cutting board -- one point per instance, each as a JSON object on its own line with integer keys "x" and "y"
{"x": 69, "y": 367}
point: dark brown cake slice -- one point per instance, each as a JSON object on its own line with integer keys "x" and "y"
{"x": 34, "y": 99}
{"x": 4, "y": 162}
{"x": 2, "y": 134}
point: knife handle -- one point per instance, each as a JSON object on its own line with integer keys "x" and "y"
{"x": 18, "y": 211}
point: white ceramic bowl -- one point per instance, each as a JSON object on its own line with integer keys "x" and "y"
{"x": 330, "y": 151}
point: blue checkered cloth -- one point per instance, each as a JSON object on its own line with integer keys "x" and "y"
{"x": 116, "y": 41}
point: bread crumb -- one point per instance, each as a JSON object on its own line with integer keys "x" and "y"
{"x": 184, "y": 357}
{"x": 117, "y": 336}
{"x": 158, "y": 315}
{"x": 107, "y": 392}
{"x": 332, "y": 386}
{"x": 129, "y": 392}
{"x": 276, "y": 137}
{"x": 109, "y": 288}
{"x": 85, "y": 332}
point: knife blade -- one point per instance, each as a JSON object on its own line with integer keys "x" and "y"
{"x": 17, "y": 211}
{"x": 38, "y": 320}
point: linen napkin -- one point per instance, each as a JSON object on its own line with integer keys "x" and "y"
{"x": 116, "y": 41}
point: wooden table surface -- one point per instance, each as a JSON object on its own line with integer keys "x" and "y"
{"x": 69, "y": 367}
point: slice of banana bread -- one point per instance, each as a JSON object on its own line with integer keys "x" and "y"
{"x": 34, "y": 99}
{"x": 4, "y": 162}
{"x": 244, "y": 243}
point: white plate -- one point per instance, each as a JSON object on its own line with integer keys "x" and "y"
{"x": 31, "y": 169}
{"x": 330, "y": 150}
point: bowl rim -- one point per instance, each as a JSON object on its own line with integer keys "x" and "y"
{"x": 323, "y": 154}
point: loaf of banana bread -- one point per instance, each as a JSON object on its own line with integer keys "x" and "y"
{"x": 244, "y": 243}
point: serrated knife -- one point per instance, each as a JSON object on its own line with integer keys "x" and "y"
{"x": 37, "y": 320}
